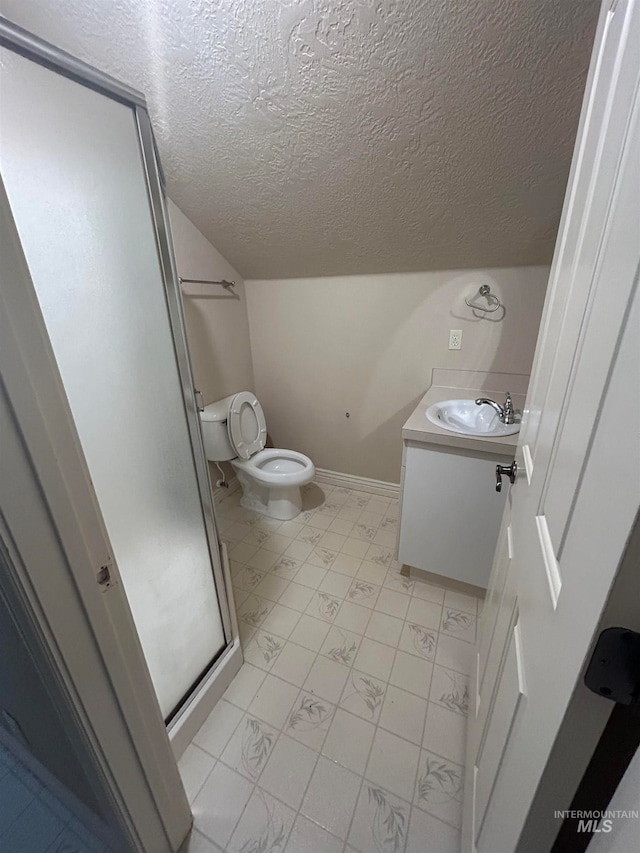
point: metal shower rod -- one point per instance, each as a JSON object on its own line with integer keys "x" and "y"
{"x": 224, "y": 283}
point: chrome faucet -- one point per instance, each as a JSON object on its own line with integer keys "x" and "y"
{"x": 506, "y": 413}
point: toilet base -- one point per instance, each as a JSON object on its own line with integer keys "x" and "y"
{"x": 280, "y": 502}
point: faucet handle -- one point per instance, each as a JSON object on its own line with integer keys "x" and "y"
{"x": 508, "y": 412}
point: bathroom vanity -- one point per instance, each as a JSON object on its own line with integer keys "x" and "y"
{"x": 450, "y": 510}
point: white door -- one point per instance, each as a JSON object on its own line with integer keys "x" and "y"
{"x": 577, "y": 491}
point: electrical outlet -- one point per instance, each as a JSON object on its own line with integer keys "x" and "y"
{"x": 455, "y": 339}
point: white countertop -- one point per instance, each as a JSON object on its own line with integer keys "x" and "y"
{"x": 418, "y": 428}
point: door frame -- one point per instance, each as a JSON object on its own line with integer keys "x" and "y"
{"x": 54, "y": 536}
{"x": 196, "y": 707}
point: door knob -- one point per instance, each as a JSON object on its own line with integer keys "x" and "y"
{"x": 509, "y": 471}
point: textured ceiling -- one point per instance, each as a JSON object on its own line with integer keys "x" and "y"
{"x": 322, "y": 137}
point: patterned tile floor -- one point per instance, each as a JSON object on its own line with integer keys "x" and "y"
{"x": 32, "y": 818}
{"x": 344, "y": 730}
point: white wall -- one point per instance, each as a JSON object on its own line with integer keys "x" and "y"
{"x": 367, "y": 344}
{"x": 216, "y": 321}
{"x": 314, "y": 349}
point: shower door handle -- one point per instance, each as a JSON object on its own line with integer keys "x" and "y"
{"x": 199, "y": 400}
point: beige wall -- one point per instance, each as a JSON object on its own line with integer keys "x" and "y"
{"x": 367, "y": 344}
{"x": 216, "y": 321}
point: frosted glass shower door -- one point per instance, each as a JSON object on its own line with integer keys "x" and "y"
{"x": 71, "y": 161}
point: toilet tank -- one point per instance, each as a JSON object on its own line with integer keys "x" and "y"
{"x": 215, "y": 437}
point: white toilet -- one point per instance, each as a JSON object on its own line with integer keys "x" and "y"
{"x": 235, "y": 429}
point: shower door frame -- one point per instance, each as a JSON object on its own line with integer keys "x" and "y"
{"x": 80, "y": 634}
{"x": 200, "y": 699}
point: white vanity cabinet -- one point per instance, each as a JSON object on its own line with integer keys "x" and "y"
{"x": 450, "y": 510}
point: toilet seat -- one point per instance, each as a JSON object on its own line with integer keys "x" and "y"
{"x": 278, "y": 467}
{"x": 246, "y": 425}
{"x": 234, "y": 430}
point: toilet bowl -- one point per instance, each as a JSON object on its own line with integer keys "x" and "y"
{"x": 234, "y": 429}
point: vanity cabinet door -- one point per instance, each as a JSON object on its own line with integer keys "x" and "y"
{"x": 450, "y": 512}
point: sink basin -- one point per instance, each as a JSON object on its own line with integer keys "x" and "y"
{"x": 464, "y": 417}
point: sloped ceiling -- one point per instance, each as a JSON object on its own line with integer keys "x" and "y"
{"x": 322, "y": 137}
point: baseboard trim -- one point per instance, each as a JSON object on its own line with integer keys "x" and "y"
{"x": 360, "y": 484}
{"x": 442, "y": 580}
{"x": 331, "y": 478}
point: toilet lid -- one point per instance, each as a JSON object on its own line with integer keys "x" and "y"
{"x": 246, "y": 425}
